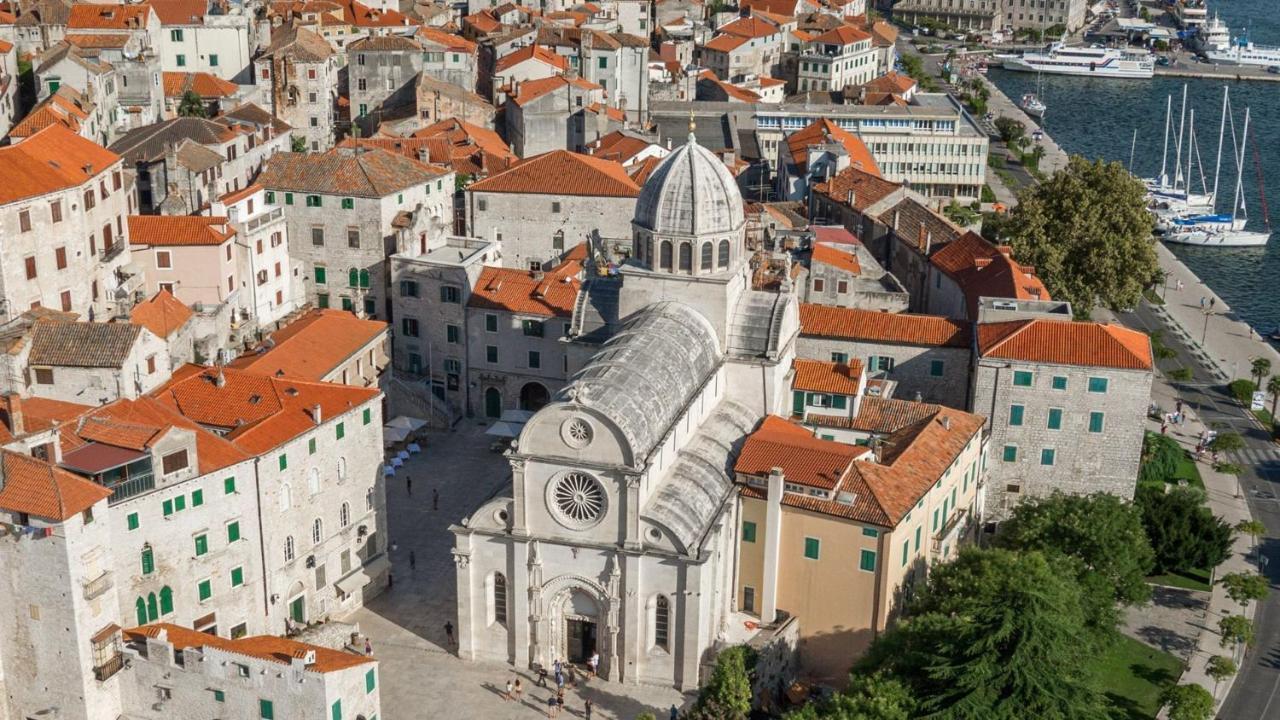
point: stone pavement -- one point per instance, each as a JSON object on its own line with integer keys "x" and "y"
{"x": 999, "y": 104}
{"x": 421, "y": 677}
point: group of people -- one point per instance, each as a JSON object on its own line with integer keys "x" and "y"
{"x": 564, "y": 674}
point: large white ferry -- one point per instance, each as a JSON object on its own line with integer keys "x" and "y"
{"x": 1218, "y": 46}
{"x": 1093, "y": 61}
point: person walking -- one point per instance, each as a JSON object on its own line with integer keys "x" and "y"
{"x": 408, "y": 485}
{"x": 542, "y": 676}
{"x": 368, "y": 647}
{"x": 560, "y": 702}
{"x": 448, "y": 631}
{"x": 413, "y": 560}
{"x": 675, "y": 714}
{"x": 586, "y": 709}
{"x": 435, "y": 499}
{"x": 518, "y": 689}
{"x": 593, "y": 663}
{"x": 506, "y": 696}
{"x": 551, "y": 706}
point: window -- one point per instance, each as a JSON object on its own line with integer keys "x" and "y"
{"x": 237, "y": 576}
{"x": 340, "y": 430}
{"x": 370, "y": 681}
{"x": 366, "y": 416}
{"x": 870, "y": 532}
{"x": 204, "y": 590}
{"x": 748, "y": 598}
{"x": 1059, "y": 382}
{"x": 1046, "y": 456}
{"x": 748, "y": 531}
{"x": 1022, "y": 378}
{"x": 344, "y": 515}
{"x": 283, "y": 461}
{"x": 314, "y": 201}
{"x": 55, "y": 211}
{"x": 1095, "y": 422}
{"x": 482, "y": 205}
{"x": 408, "y": 288}
{"x": 409, "y": 327}
{"x": 818, "y": 284}
{"x": 336, "y": 711}
{"x": 317, "y": 531}
{"x": 491, "y": 354}
{"x": 840, "y": 358}
{"x": 811, "y": 548}
{"x": 233, "y": 531}
{"x": 532, "y": 328}
{"x": 937, "y": 368}
{"x": 490, "y": 323}
{"x": 1055, "y": 418}
{"x": 288, "y": 549}
{"x": 182, "y": 60}
{"x": 452, "y": 334}
{"x": 288, "y": 198}
{"x": 219, "y": 696}
{"x": 31, "y": 268}
{"x": 1010, "y": 453}
{"x": 722, "y": 258}
{"x": 24, "y": 220}
{"x": 131, "y": 521}
{"x": 500, "y": 598}
{"x": 180, "y": 503}
{"x": 1097, "y": 385}
{"x": 686, "y": 257}
{"x": 148, "y": 560}
{"x": 44, "y": 376}
{"x": 228, "y": 485}
{"x": 535, "y": 359}
{"x": 202, "y": 544}
{"x": 266, "y": 710}
{"x": 906, "y": 551}
{"x": 168, "y": 507}
{"x": 175, "y": 35}
{"x": 450, "y": 294}
{"x": 311, "y": 446}
{"x": 662, "y": 622}
{"x": 353, "y": 241}
{"x": 1015, "y": 414}
{"x": 867, "y": 561}
{"x": 317, "y": 236}
{"x": 213, "y": 60}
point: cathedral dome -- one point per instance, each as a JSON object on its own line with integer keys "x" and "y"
{"x": 690, "y": 193}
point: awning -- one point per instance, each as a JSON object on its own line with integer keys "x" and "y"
{"x": 505, "y": 429}
{"x": 516, "y": 416}
{"x": 95, "y": 458}
{"x": 412, "y": 424}
{"x": 393, "y": 435}
{"x": 363, "y": 575}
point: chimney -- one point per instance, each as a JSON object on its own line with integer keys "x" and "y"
{"x": 16, "y": 424}
{"x": 220, "y": 379}
{"x": 946, "y": 422}
{"x": 315, "y": 413}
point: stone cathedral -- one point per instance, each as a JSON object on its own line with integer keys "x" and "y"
{"x": 619, "y": 533}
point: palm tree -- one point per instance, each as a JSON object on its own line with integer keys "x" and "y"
{"x": 1261, "y": 368}
{"x": 1273, "y": 387}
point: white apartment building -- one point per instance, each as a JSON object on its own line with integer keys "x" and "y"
{"x": 210, "y": 40}
{"x": 270, "y": 280}
{"x": 62, "y": 214}
{"x": 837, "y": 58}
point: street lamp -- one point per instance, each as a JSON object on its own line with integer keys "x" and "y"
{"x": 1205, "y": 332}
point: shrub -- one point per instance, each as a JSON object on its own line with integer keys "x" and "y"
{"x": 1242, "y": 390}
{"x": 1160, "y": 457}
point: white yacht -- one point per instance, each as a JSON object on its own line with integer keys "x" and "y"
{"x": 1092, "y": 61}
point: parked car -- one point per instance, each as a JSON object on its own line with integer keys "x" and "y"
{"x": 1273, "y": 69}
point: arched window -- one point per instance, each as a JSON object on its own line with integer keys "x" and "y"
{"x": 288, "y": 549}
{"x": 317, "y": 531}
{"x": 686, "y": 257}
{"x": 286, "y": 497}
{"x": 662, "y": 623}
{"x": 313, "y": 480}
{"x": 557, "y": 240}
{"x": 342, "y": 468}
{"x": 344, "y": 515}
{"x": 707, "y": 260}
{"x": 140, "y": 609}
{"x": 166, "y": 601}
{"x": 500, "y": 598}
{"x": 723, "y": 260}
{"x": 153, "y": 610}
{"x": 148, "y": 560}
{"x": 664, "y": 255}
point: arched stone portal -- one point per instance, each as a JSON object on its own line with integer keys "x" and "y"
{"x": 534, "y": 396}
{"x": 493, "y": 402}
{"x": 576, "y": 624}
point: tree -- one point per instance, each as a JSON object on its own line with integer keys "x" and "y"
{"x": 1260, "y": 368}
{"x": 1102, "y": 534}
{"x": 1188, "y": 702}
{"x": 1236, "y": 631}
{"x": 1273, "y": 387}
{"x": 1245, "y": 587}
{"x": 1184, "y": 534}
{"x": 727, "y": 695}
{"x": 1253, "y": 528}
{"x": 298, "y": 144}
{"x": 993, "y": 634}
{"x": 1087, "y": 231}
{"x": 192, "y": 105}
{"x": 1220, "y": 667}
{"x": 1010, "y": 130}
{"x": 1226, "y": 442}
{"x": 868, "y": 697}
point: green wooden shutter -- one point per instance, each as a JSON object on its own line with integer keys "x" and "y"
{"x": 148, "y": 560}
{"x": 797, "y": 402}
{"x": 166, "y": 600}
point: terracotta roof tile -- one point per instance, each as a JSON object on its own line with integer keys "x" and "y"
{"x": 313, "y": 346}
{"x": 375, "y": 173}
{"x": 455, "y": 43}
{"x": 726, "y": 43}
{"x": 750, "y": 27}
{"x": 878, "y": 415}
{"x": 97, "y": 41}
{"x": 824, "y": 131}
{"x": 891, "y": 82}
{"x": 81, "y": 344}
{"x": 206, "y": 85}
{"x": 38, "y": 414}
{"x": 91, "y": 16}
{"x": 561, "y": 172}
{"x": 827, "y": 377}
{"x": 875, "y": 326}
{"x": 52, "y": 159}
{"x": 841, "y": 259}
{"x": 531, "y": 90}
{"x": 163, "y": 314}
{"x": 618, "y": 146}
{"x": 180, "y": 12}
{"x": 66, "y": 108}
{"x": 136, "y": 424}
{"x": 549, "y": 294}
{"x": 804, "y": 459}
{"x": 531, "y": 52}
{"x": 178, "y": 230}
{"x": 984, "y": 270}
{"x": 37, "y": 488}
{"x": 1062, "y": 342}
{"x": 842, "y": 35}
{"x": 262, "y": 647}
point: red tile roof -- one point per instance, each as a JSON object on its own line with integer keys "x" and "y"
{"x": 38, "y": 414}
{"x": 97, "y": 41}
{"x": 90, "y": 16}
{"x": 65, "y": 108}
{"x": 314, "y": 345}
{"x": 549, "y": 294}
{"x": 531, "y": 90}
{"x": 137, "y": 424}
{"x": 262, "y": 647}
{"x": 163, "y": 314}
{"x": 824, "y": 131}
{"x": 875, "y": 326}
{"x": 842, "y": 35}
{"x": 531, "y": 52}
{"x": 561, "y": 172}
{"x": 827, "y": 377}
{"x": 206, "y": 85}
{"x": 455, "y": 43}
{"x": 804, "y": 459}
{"x": 891, "y": 82}
{"x": 618, "y": 146}
{"x": 984, "y": 270}
{"x": 37, "y": 488}
{"x": 750, "y": 27}
{"x": 725, "y": 43}
{"x": 1062, "y": 342}
{"x": 867, "y": 188}
{"x": 178, "y": 230}
{"x": 52, "y": 159}
{"x": 259, "y": 413}
{"x": 180, "y": 12}
{"x": 837, "y": 258}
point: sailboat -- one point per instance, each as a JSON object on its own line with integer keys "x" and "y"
{"x": 1201, "y": 218}
{"x": 1225, "y": 230}
{"x": 1166, "y": 196}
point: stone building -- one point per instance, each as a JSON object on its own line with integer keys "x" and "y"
{"x": 193, "y": 257}
{"x": 968, "y": 269}
{"x": 925, "y": 357}
{"x": 62, "y": 214}
{"x": 207, "y": 36}
{"x": 815, "y": 153}
{"x": 323, "y": 346}
{"x": 1066, "y": 402}
{"x": 381, "y": 73}
{"x": 40, "y": 26}
{"x": 617, "y": 537}
{"x": 8, "y": 86}
{"x": 836, "y": 59}
{"x": 750, "y": 45}
{"x": 549, "y": 114}
{"x": 271, "y": 285}
{"x": 447, "y": 57}
{"x": 838, "y": 270}
{"x": 341, "y": 209}
{"x": 171, "y": 321}
{"x": 299, "y": 74}
{"x": 439, "y": 100}
{"x": 965, "y": 15}
{"x": 95, "y": 80}
{"x": 548, "y": 204}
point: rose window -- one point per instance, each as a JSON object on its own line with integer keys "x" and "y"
{"x": 578, "y": 498}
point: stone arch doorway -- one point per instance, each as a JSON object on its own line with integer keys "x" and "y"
{"x": 579, "y": 626}
{"x": 493, "y": 402}
{"x": 534, "y": 396}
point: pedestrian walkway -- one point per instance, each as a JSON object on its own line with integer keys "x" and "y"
{"x": 999, "y": 104}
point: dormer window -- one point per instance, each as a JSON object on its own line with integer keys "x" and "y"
{"x": 173, "y": 462}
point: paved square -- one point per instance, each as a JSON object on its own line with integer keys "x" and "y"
{"x": 421, "y": 677}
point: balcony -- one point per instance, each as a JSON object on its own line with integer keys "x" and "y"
{"x": 111, "y": 253}
{"x": 99, "y": 585}
{"x": 951, "y": 531}
{"x": 112, "y": 666}
{"x": 263, "y": 219}
{"x": 135, "y": 485}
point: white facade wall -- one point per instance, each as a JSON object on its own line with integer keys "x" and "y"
{"x": 96, "y": 385}
{"x": 527, "y": 225}
{"x": 270, "y": 280}
{"x": 218, "y": 44}
{"x": 913, "y": 366}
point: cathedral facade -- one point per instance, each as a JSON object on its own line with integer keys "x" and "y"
{"x": 618, "y": 537}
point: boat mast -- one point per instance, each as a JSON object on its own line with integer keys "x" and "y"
{"x": 1222, "y": 130}
{"x": 1133, "y": 147}
{"x": 1191, "y": 143}
{"x": 1164, "y": 156}
{"x": 1239, "y": 198}
{"x": 1182, "y": 125}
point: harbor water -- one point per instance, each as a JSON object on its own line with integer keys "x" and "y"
{"x": 1097, "y": 119}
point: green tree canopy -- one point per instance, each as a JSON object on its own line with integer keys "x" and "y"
{"x": 1188, "y": 702}
{"x": 1087, "y": 232}
{"x": 1245, "y": 587}
{"x": 994, "y": 635}
{"x": 727, "y": 695}
{"x": 1226, "y": 442}
{"x": 1220, "y": 667}
{"x": 1010, "y": 130}
{"x": 868, "y": 697}
{"x": 1100, "y": 533}
{"x": 1235, "y": 630}
{"x": 1260, "y": 368}
{"x": 1184, "y": 534}
{"x": 192, "y": 105}
{"x": 298, "y": 144}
